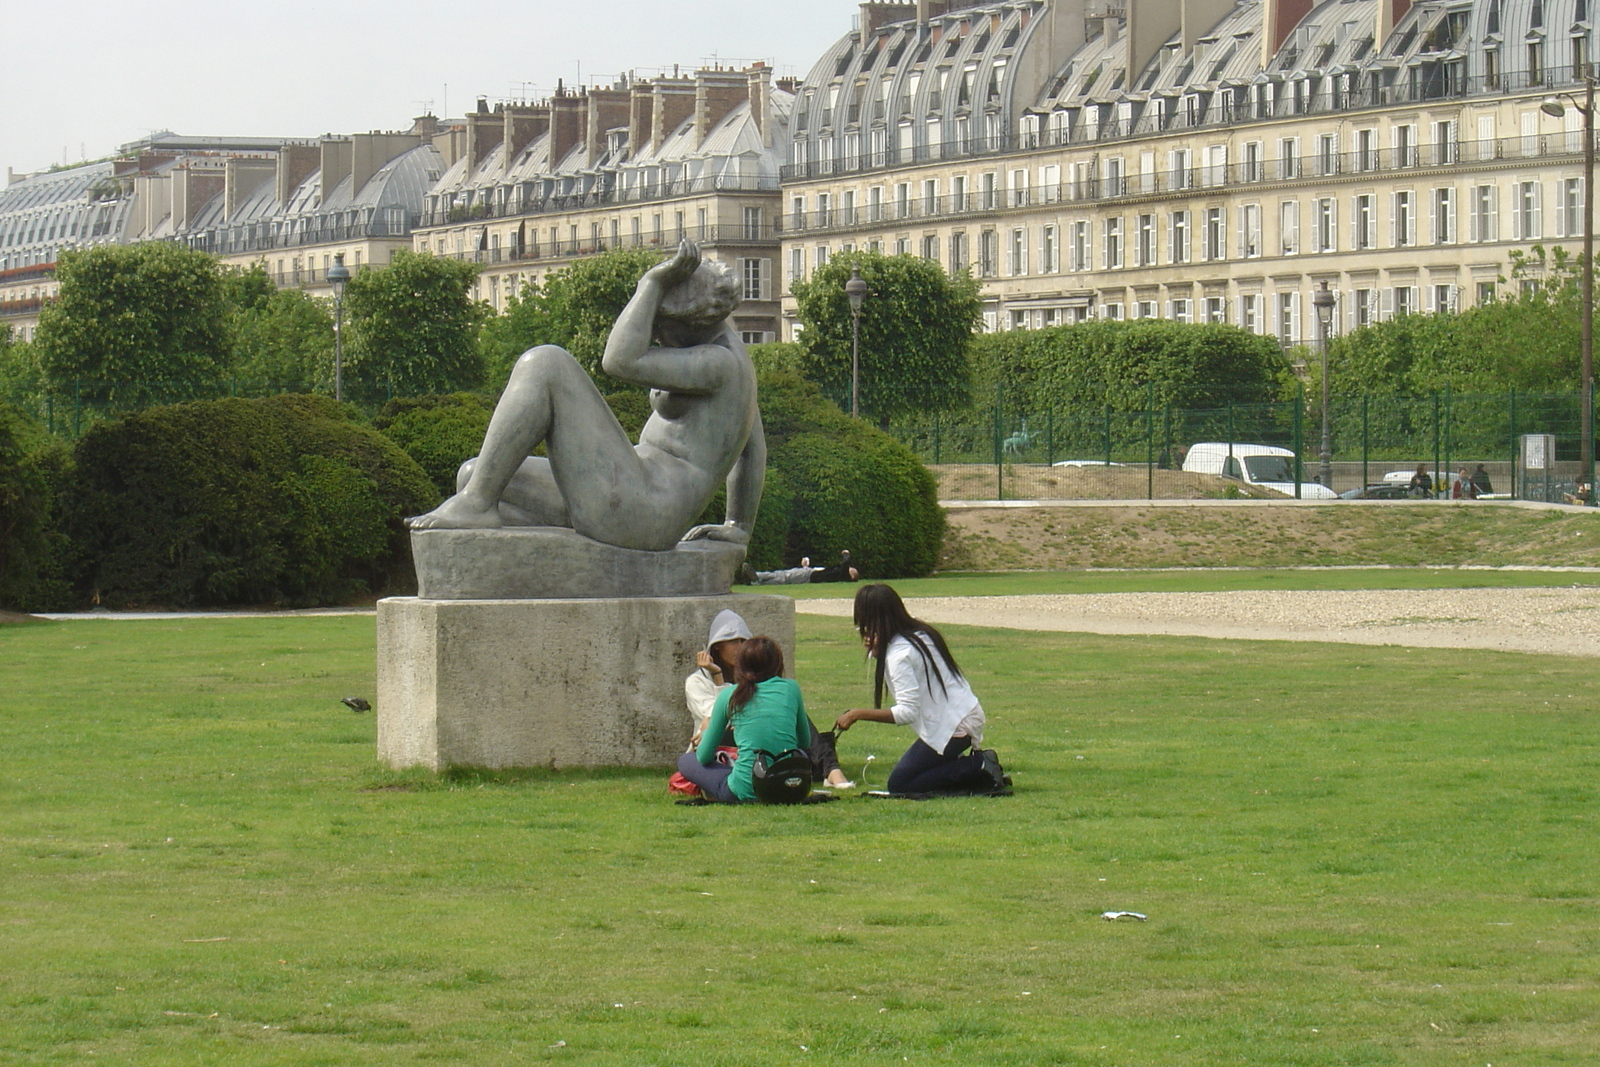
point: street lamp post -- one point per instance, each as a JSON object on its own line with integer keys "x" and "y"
{"x": 1552, "y": 106}
{"x": 338, "y": 274}
{"x": 1322, "y": 301}
{"x": 856, "y": 290}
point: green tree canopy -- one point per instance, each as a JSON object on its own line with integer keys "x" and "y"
{"x": 575, "y": 309}
{"x": 917, "y": 324}
{"x": 413, "y": 326}
{"x": 135, "y": 323}
{"x": 280, "y": 337}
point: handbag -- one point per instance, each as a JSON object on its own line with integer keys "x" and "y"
{"x": 784, "y": 778}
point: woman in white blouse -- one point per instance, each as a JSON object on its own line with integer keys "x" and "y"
{"x": 930, "y": 695}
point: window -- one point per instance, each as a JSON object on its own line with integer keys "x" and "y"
{"x": 1324, "y": 225}
{"x": 1113, "y": 243}
{"x": 1249, "y": 312}
{"x": 930, "y": 196}
{"x": 1366, "y": 150}
{"x": 930, "y": 247}
{"x": 1019, "y": 188}
{"x": 1288, "y": 318}
{"x": 1216, "y": 165}
{"x": 1363, "y": 307}
{"x": 1251, "y": 169}
{"x": 755, "y": 279}
{"x": 958, "y": 193}
{"x": 1250, "y": 231}
{"x": 959, "y": 257}
{"x": 822, "y": 256}
{"x": 1485, "y": 206}
{"x": 1444, "y": 142}
{"x": 902, "y": 246}
{"x": 875, "y": 204}
{"x": 1289, "y": 227}
{"x": 1178, "y": 168}
{"x": 1178, "y": 237}
{"x": 1114, "y": 182}
{"x": 1486, "y": 292}
{"x": 1147, "y": 309}
{"x": 1569, "y": 220}
{"x": 1405, "y": 146}
{"x": 1215, "y": 238}
{"x": 1216, "y": 309}
{"x": 1145, "y": 249}
{"x": 1403, "y": 218}
{"x": 1442, "y": 298}
{"x": 902, "y": 199}
{"x": 1080, "y": 246}
{"x": 824, "y": 211}
{"x": 1527, "y": 218}
{"x": 1111, "y": 312}
{"x": 988, "y": 253}
{"x": 797, "y": 265}
{"x": 1180, "y": 309}
{"x": 1327, "y": 154}
{"x": 1444, "y": 216}
{"x": 1405, "y": 300}
{"x": 797, "y": 214}
{"x": 1289, "y": 157}
{"x": 1019, "y": 252}
{"x": 991, "y": 193}
{"x": 847, "y": 208}
{"x": 1047, "y": 250}
{"x": 1362, "y": 223}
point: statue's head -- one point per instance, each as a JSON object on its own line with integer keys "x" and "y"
{"x": 708, "y": 296}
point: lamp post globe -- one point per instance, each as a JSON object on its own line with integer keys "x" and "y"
{"x": 856, "y": 290}
{"x": 338, "y": 274}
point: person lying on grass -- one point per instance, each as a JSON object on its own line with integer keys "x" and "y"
{"x": 715, "y": 671}
{"x": 767, "y": 713}
{"x": 930, "y": 695}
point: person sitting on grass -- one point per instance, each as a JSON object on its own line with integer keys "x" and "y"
{"x": 766, "y": 713}
{"x": 930, "y": 695}
{"x": 714, "y": 674}
{"x": 802, "y": 574}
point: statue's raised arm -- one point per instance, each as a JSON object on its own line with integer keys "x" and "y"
{"x": 704, "y": 428}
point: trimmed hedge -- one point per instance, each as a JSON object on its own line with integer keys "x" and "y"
{"x": 835, "y": 483}
{"x": 439, "y": 432}
{"x": 276, "y": 500}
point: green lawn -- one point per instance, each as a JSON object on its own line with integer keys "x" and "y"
{"x": 1348, "y": 855}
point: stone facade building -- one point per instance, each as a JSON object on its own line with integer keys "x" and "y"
{"x": 641, "y": 164}
{"x": 1199, "y": 160}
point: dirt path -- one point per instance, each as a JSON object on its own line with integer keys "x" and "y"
{"x": 1563, "y": 621}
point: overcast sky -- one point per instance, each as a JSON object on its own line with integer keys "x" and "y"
{"x": 81, "y": 77}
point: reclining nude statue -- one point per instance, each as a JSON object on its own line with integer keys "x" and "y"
{"x": 704, "y": 427}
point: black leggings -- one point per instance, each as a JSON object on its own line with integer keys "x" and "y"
{"x": 922, "y": 770}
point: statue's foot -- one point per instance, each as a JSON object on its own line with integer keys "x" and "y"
{"x": 457, "y": 513}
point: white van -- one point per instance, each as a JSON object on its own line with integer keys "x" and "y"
{"x": 1266, "y": 466}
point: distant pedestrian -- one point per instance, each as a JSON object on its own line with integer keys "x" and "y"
{"x": 1421, "y": 482}
{"x": 1480, "y": 481}
{"x": 1462, "y": 488}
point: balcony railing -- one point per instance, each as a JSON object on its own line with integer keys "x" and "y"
{"x": 1196, "y": 180}
{"x": 506, "y": 206}
{"x": 567, "y": 248}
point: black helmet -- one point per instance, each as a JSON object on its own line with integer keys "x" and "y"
{"x": 782, "y": 779}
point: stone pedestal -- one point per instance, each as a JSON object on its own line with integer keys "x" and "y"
{"x": 530, "y": 562}
{"x": 547, "y": 683}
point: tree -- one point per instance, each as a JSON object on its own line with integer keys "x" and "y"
{"x": 135, "y": 323}
{"x": 916, "y": 330}
{"x": 413, "y": 326}
{"x": 574, "y": 309}
{"x": 280, "y": 337}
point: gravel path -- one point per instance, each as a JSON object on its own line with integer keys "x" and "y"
{"x": 1564, "y": 621}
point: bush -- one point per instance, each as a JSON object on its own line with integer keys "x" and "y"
{"x": 439, "y": 432}
{"x": 243, "y": 501}
{"x": 835, "y": 483}
{"x": 33, "y": 551}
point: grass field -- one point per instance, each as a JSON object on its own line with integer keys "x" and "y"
{"x": 1347, "y": 856}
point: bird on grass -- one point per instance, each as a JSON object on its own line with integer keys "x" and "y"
{"x": 356, "y": 704}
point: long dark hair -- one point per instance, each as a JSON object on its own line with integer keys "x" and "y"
{"x": 759, "y": 659}
{"x": 880, "y": 617}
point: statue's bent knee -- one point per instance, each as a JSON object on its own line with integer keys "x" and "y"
{"x": 542, "y": 356}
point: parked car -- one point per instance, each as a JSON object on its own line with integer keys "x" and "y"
{"x": 1377, "y": 491}
{"x": 1266, "y": 466}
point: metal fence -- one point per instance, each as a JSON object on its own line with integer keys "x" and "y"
{"x": 1004, "y": 448}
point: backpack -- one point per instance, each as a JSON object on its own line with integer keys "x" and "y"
{"x": 784, "y": 778}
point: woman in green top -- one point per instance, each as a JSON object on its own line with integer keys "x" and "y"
{"x": 767, "y": 713}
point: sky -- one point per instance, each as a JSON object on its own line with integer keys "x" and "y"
{"x": 81, "y": 77}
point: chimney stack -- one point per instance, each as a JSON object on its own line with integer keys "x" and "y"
{"x": 608, "y": 109}
{"x": 335, "y": 164}
{"x": 716, "y": 93}
{"x": 759, "y": 82}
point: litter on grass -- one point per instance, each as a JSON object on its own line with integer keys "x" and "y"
{"x": 1113, "y": 916}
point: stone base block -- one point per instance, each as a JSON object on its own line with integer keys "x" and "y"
{"x": 547, "y": 683}
{"x": 532, "y": 562}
